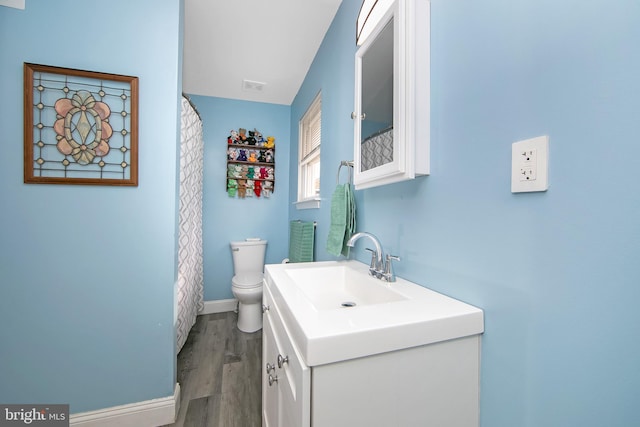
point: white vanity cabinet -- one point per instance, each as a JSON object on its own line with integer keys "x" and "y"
{"x": 434, "y": 385}
{"x": 392, "y": 95}
{"x": 427, "y": 385}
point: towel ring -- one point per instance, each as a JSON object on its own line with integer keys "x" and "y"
{"x": 348, "y": 163}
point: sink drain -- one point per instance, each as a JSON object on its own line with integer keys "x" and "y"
{"x": 348, "y": 304}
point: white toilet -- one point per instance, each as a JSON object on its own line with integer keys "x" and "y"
{"x": 246, "y": 285}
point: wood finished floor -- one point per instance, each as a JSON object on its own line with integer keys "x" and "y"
{"x": 220, "y": 375}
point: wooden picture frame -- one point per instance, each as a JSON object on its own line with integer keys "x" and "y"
{"x": 80, "y": 127}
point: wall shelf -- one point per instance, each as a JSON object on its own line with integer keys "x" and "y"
{"x": 246, "y": 178}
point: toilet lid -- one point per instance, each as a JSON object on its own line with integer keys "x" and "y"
{"x": 250, "y": 280}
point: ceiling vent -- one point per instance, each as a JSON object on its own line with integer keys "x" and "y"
{"x": 253, "y": 86}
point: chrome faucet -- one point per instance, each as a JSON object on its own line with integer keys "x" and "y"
{"x": 383, "y": 270}
{"x": 376, "y": 256}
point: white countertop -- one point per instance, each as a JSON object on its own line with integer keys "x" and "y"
{"x": 324, "y": 335}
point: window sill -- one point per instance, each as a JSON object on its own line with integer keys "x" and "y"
{"x": 313, "y": 203}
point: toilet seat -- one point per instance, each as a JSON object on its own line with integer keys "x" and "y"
{"x": 247, "y": 281}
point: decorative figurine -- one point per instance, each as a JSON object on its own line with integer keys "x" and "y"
{"x": 232, "y": 187}
{"x": 258, "y": 136}
{"x": 268, "y": 156}
{"x": 257, "y": 188}
{"x": 233, "y": 138}
{"x": 250, "y": 185}
{"x": 242, "y": 135}
{"x": 242, "y": 188}
{"x": 251, "y": 140}
{"x": 261, "y": 156}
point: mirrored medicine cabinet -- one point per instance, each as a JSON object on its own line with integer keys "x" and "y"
{"x": 392, "y": 92}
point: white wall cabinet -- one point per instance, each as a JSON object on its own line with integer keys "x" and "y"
{"x": 430, "y": 385}
{"x": 392, "y": 97}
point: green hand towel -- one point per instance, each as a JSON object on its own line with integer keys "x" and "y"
{"x": 338, "y": 226}
{"x": 351, "y": 218}
{"x": 301, "y": 241}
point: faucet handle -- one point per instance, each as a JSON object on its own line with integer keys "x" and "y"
{"x": 374, "y": 260}
{"x": 389, "y": 275}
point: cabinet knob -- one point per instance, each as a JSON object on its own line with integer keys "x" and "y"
{"x": 282, "y": 360}
{"x": 272, "y": 380}
{"x": 354, "y": 116}
{"x": 270, "y": 367}
{"x": 265, "y": 308}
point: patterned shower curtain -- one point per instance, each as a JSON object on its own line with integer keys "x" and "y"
{"x": 190, "y": 269}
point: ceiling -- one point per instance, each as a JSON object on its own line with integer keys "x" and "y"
{"x": 269, "y": 43}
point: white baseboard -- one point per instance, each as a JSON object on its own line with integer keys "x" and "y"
{"x": 219, "y": 306}
{"x": 150, "y": 413}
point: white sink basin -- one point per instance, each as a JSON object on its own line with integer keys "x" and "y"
{"x": 315, "y": 299}
{"x": 339, "y": 287}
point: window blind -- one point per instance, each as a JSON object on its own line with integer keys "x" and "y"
{"x": 312, "y": 126}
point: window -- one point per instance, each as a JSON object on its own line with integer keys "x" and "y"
{"x": 309, "y": 159}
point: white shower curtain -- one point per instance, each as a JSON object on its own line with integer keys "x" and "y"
{"x": 190, "y": 269}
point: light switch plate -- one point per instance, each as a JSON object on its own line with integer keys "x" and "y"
{"x": 530, "y": 165}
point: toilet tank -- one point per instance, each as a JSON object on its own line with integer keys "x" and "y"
{"x": 248, "y": 256}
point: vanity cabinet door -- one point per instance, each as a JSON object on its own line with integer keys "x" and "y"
{"x": 270, "y": 394}
{"x": 286, "y": 392}
{"x": 392, "y": 91}
{"x": 294, "y": 380}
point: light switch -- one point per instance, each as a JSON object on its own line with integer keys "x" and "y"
{"x": 530, "y": 165}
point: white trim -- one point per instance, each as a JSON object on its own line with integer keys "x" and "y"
{"x": 368, "y": 18}
{"x": 308, "y": 203}
{"x": 219, "y": 306}
{"x": 18, "y": 4}
{"x": 154, "y": 412}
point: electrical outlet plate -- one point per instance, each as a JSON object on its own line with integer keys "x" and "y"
{"x": 530, "y": 165}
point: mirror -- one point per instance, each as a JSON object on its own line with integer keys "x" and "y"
{"x": 377, "y": 102}
{"x": 391, "y": 114}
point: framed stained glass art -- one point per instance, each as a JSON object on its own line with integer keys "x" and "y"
{"x": 80, "y": 127}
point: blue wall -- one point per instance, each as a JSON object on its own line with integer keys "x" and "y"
{"x": 88, "y": 272}
{"x": 332, "y": 74}
{"x": 227, "y": 219}
{"x": 555, "y": 272}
